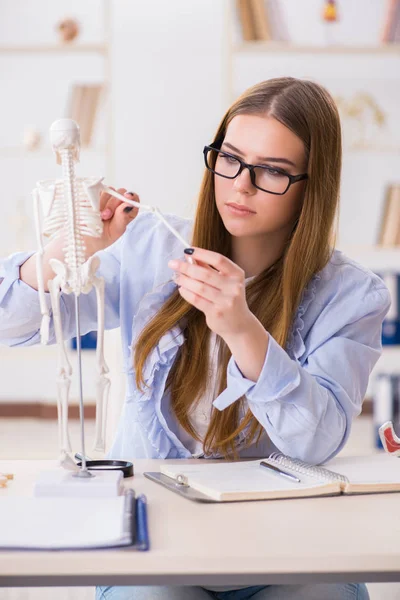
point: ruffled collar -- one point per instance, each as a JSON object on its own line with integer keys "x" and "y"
{"x": 174, "y": 338}
{"x": 165, "y": 351}
{"x": 295, "y": 343}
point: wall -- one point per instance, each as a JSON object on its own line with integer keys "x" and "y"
{"x": 170, "y": 89}
{"x": 172, "y": 76}
{"x": 168, "y": 68}
{"x": 170, "y": 73}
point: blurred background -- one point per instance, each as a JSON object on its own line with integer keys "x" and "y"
{"x": 148, "y": 82}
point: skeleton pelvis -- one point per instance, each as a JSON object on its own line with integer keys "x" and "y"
{"x": 65, "y": 276}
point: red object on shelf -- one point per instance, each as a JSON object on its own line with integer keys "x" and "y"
{"x": 389, "y": 439}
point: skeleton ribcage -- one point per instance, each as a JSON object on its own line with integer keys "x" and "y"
{"x": 69, "y": 212}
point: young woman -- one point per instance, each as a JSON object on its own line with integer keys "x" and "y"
{"x": 267, "y": 341}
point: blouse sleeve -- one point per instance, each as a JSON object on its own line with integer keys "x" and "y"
{"x": 307, "y": 409}
{"x": 20, "y": 315}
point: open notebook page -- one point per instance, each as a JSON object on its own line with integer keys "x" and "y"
{"x": 247, "y": 479}
{"x": 380, "y": 469}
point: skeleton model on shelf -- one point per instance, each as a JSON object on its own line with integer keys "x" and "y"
{"x": 70, "y": 207}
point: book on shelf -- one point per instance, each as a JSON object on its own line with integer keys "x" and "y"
{"x": 389, "y": 234}
{"x": 84, "y": 101}
{"x": 221, "y": 481}
{"x": 260, "y": 19}
{"x": 391, "y": 26}
{"x": 254, "y": 20}
{"x": 246, "y": 19}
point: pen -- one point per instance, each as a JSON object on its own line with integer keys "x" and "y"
{"x": 133, "y": 516}
{"x": 279, "y": 471}
{"x": 141, "y": 520}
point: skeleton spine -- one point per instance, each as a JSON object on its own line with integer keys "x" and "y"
{"x": 75, "y": 248}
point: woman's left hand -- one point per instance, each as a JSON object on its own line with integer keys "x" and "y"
{"x": 219, "y": 294}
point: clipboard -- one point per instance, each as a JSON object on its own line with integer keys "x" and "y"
{"x": 179, "y": 487}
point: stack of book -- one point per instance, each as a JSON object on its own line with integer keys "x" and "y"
{"x": 389, "y": 234}
{"x": 391, "y": 28}
{"x": 261, "y": 20}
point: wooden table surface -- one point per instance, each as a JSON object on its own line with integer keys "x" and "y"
{"x": 354, "y": 538}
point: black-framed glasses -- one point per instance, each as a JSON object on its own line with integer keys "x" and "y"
{"x": 267, "y": 179}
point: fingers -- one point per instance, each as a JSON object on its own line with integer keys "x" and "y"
{"x": 199, "y": 273}
{"x": 217, "y": 261}
{"x": 125, "y": 212}
{"x": 208, "y": 275}
{"x": 105, "y": 197}
{"x": 109, "y": 204}
{"x": 229, "y": 289}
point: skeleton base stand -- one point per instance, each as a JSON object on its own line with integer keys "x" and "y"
{"x": 70, "y": 207}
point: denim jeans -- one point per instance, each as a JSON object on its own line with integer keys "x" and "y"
{"x": 315, "y": 591}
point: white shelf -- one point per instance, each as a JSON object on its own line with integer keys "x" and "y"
{"x": 49, "y": 48}
{"x": 21, "y": 152}
{"x": 261, "y": 46}
{"x": 377, "y": 258}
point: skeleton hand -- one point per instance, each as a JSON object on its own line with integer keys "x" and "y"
{"x": 116, "y": 216}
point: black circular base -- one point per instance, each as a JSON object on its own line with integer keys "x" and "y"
{"x": 110, "y": 465}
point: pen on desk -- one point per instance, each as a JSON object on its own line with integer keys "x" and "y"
{"x": 133, "y": 517}
{"x": 141, "y": 521}
{"x": 279, "y": 471}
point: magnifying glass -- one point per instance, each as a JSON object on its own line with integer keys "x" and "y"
{"x": 107, "y": 465}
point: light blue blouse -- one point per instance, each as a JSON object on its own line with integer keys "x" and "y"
{"x": 306, "y": 395}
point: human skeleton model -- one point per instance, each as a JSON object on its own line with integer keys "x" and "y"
{"x": 70, "y": 206}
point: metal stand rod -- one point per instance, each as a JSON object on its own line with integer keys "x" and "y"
{"x": 83, "y": 472}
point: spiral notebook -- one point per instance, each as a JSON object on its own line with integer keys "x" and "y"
{"x": 79, "y": 523}
{"x": 216, "y": 481}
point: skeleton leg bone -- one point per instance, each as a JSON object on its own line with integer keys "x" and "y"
{"x": 103, "y": 382}
{"x": 64, "y": 366}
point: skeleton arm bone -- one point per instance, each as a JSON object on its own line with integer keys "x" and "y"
{"x": 44, "y": 329}
{"x": 152, "y": 209}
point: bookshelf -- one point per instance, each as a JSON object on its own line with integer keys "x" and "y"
{"x": 56, "y": 48}
{"x": 379, "y": 259}
{"x": 251, "y": 61}
{"x": 47, "y": 153}
{"x": 86, "y": 59}
{"x": 267, "y": 47}
{"x": 93, "y": 49}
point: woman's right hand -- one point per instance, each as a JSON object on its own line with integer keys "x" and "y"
{"x": 116, "y": 215}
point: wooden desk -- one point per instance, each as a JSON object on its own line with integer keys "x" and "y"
{"x": 270, "y": 542}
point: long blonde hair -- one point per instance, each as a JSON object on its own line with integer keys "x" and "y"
{"x": 273, "y": 296}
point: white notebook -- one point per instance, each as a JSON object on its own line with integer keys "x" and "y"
{"x": 247, "y": 480}
{"x": 31, "y": 523}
